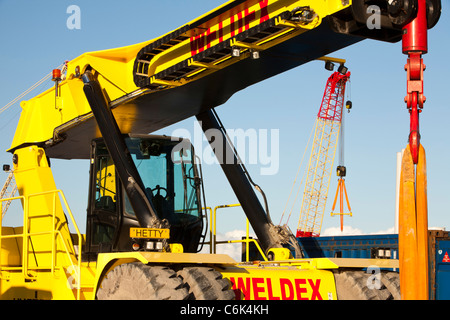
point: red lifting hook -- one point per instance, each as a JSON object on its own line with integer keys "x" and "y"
{"x": 414, "y": 44}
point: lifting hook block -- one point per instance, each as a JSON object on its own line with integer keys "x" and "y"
{"x": 414, "y": 44}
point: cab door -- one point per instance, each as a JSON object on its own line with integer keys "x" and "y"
{"x": 103, "y": 216}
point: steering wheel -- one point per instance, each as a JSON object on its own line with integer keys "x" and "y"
{"x": 159, "y": 188}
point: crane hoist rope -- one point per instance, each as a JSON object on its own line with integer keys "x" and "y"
{"x": 341, "y": 172}
{"x": 295, "y": 182}
{"x": 62, "y": 67}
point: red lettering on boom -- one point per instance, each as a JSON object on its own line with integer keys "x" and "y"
{"x": 263, "y": 5}
{"x": 220, "y": 31}
{"x": 249, "y": 17}
{"x": 202, "y": 41}
{"x": 210, "y": 37}
{"x": 197, "y": 44}
{"x": 238, "y": 23}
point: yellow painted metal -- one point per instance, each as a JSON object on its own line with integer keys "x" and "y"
{"x": 44, "y": 214}
{"x": 364, "y": 263}
{"x": 176, "y": 248}
{"x": 61, "y": 285}
{"x": 280, "y": 254}
{"x": 106, "y": 177}
{"x": 247, "y": 240}
{"x": 43, "y": 247}
{"x": 332, "y": 59}
{"x": 213, "y": 226}
{"x": 149, "y": 233}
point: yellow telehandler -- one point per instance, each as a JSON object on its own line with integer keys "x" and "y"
{"x": 146, "y": 210}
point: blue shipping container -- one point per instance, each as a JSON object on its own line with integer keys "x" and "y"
{"x": 383, "y": 246}
{"x": 443, "y": 270}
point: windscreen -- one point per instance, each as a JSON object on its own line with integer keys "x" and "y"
{"x": 169, "y": 176}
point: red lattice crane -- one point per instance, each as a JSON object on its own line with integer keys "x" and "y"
{"x": 328, "y": 125}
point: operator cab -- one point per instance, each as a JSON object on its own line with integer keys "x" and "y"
{"x": 172, "y": 184}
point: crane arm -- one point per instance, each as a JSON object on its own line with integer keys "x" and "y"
{"x": 194, "y": 68}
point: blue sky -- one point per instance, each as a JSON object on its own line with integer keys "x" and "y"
{"x": 34, "y": 39}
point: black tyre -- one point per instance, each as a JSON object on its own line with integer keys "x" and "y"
{"x": 359, "y": 285}
{"x": 391, "y": 280}
{"x": 136, "y": 281}
{"x": 206, "y": 283}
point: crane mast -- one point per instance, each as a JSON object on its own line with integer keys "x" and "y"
{"x": 326, "y": 136}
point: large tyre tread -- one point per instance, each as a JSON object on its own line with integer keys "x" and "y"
{"x": 391, "y": 281}
{"x": 206, "y": 283}
{"x": 136, "y": 281}
{"x": 354, "y": 285}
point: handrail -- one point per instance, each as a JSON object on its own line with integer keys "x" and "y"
{"x": 1, "y": 217}
{"x": 213, "y": 224}
{"x": 55, "y": 233}
{"x": 247, "y": 240}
